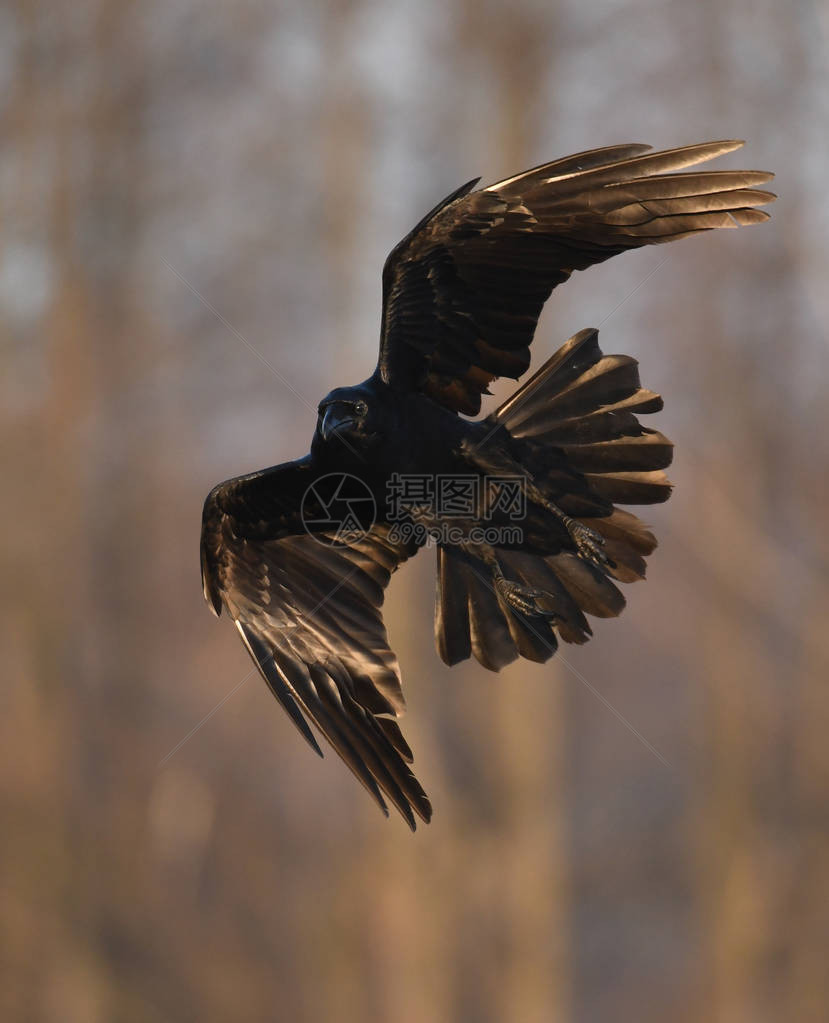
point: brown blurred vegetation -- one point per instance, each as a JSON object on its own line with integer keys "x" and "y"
{"x": 184, "y": 183}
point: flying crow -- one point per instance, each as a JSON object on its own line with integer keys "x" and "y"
{"x": 521, "y": 506}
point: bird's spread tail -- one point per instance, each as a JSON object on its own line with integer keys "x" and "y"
{"x": 585, "y": 404}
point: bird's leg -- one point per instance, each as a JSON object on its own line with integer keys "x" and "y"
{"x": 523, "y": 599}
{"x": 588, "y": 542}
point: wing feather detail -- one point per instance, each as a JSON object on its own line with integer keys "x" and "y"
{"x": 462, "y": 293}
{"x": 308, "y": 609}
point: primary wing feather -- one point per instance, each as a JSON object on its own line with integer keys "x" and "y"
{"x": 462, "y": 293}
{"x": 309, "y": 613}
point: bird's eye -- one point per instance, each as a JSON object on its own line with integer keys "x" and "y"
{"x": 360, "y": 408}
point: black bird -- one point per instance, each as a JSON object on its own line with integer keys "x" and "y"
{"x": 300, "y": 554}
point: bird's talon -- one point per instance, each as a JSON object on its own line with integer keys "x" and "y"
{"x": 523, "y": 599}
{"x": 589, "y": 544}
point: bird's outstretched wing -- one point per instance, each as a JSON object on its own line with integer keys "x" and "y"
{"x": 308, "y": 610}
{"x": 463, "y": 291}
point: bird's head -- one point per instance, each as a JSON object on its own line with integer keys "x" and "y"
{"x": 348, "y": 413}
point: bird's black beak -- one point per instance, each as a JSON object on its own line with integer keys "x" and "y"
{"x": 335, "y": 422}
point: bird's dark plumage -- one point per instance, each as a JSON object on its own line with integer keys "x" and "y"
{"x": 462, "y": 294}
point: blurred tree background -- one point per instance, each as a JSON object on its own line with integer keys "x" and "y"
{"x": 195, "y": 202}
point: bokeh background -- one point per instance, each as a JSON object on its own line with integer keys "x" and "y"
{"x": 195, "y": 202}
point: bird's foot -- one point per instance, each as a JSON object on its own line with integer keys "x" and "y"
{"x": 588, "y": 543}
{"x": 523, "y": 599}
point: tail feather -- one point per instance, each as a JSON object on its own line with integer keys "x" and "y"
{"x": 626, "y": 565}
{"x": 539, "y": 574}
{"x": 627, "y": 544}
{"x": 631, "y": 487}
{"x": 615, "y": 420}
{"x": 452, "y": 632}
{"x": 564, "y": 366}
{"x": 589, "y": 586}
{"x": 624, "y": 526}
{"x": 492, "y": 642}
{"x": 585, "y": 404}
{"x": 647, "y": 451}
{"x": 613, "y": 378}
{"x": 533, "y": 640}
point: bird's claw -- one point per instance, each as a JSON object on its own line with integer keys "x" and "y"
{"x": 588, "y": 543}
{"x": 523, "y": 599}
